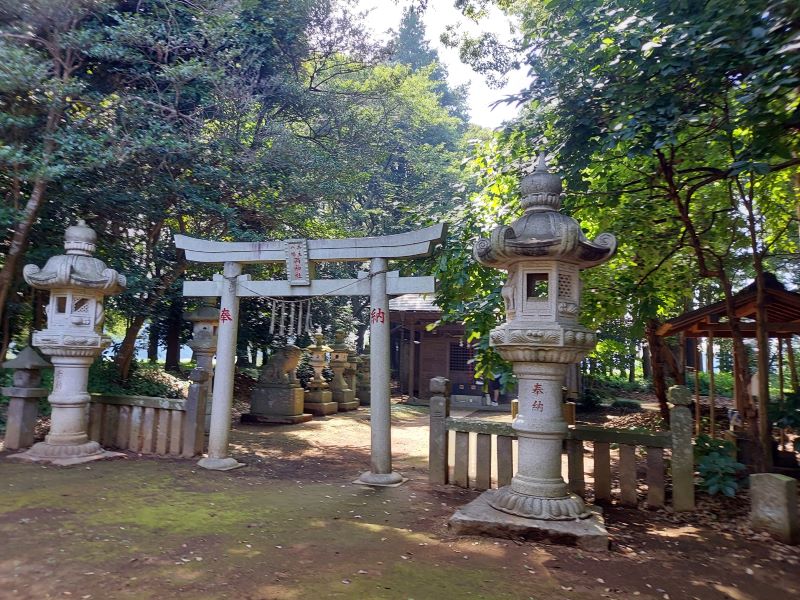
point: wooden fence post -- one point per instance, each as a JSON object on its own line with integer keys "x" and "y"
{"x": 680, "y": 423}
{"x": 438, "y": 445}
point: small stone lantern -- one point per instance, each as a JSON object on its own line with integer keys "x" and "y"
{"x": 318, "y": 397}
{"x": 543, "y": 252}
{"x": 73, "y": 339}
{"x": 342, "y": 394}
{"x": 204, "y": 320}
{"x": 23, "y": 407}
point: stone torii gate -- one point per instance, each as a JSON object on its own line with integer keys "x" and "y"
{"x": 300, "y": 255}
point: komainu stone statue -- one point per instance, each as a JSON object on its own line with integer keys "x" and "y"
{"x": 281, "y": 366}
{"x": 278, "y": 396}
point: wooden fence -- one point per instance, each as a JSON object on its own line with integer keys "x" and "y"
{"x": 597, "y": 441}
{"x": 148, "y": 425}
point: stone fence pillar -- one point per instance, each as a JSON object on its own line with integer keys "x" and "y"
{"x": 680, "y": 424}
{"x": 24, "y": 395}
{"x": 438, "y": 443}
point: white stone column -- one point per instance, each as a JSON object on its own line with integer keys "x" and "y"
{"x": 219, "y": 430}
{"x": 541, "y": 428}
{"x": 380, "y": 472}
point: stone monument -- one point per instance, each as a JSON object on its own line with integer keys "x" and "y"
{"x": 343, "y": 395}
{"x": 278, "y": 396}
{"x": 318, "y": 397}
{"x": 73, "y": 339}
{"x": 543, "y": 252}
{"x": 204, "y": 322}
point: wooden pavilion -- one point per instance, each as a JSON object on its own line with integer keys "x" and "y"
{"x": 783, "y": 321}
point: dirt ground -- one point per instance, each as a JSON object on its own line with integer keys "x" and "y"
{"x": 291, "y": 525}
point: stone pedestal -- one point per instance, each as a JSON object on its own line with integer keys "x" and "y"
{"x": 319, "y": 401}
{"x": 343, "y": 395}
{"x": 274, "y": 403}
{"x": 73, "y": 339}
{"x": 480, "y": 518}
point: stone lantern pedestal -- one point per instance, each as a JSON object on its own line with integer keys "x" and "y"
{"x": 343, "y": 395}
{"x": 204, "y": 322}
{"x": 73, "y": 339}
{"x": 543, "y": 252}
{"x": 363, "y": 390}
{"x": 319, "y": 398}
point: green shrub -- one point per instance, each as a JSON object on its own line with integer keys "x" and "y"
{"x": 717, "y": 466}
{"x": 719, "y": 473}
{"x": 145, "y": 380}
{"x": 628, "y": 405}
{"x": 591, "y": 399}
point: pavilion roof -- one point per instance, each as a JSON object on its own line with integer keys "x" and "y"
{"x": 414, "y": 303}
{"x": 783, "y": 314}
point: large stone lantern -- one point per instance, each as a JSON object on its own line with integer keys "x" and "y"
{"x": 543, "y": 252}
{"x": 73, "y": 339}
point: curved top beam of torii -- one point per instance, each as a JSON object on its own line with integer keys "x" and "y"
{"x": 412, "y": 244}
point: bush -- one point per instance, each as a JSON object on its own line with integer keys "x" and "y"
{"x": 628, "y": 405}
{"x": 717, "y": 466}
{"x": 591, "y": 399}
{"x": 145, "y": 380}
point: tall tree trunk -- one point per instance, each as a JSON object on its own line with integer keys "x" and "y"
{"x": 647, "y": 371}
{"x": 792, "y": 365}
{"x": 152, "y": 343}
{"x": 656, "y": 350}
{"x": 172, "y": 361}
{"x": 127, "y": 348}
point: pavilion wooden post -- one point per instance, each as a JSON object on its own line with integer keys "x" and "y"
{"x": 412, "y": 332}
{"x": 698, "y": 409}
{"x": 712, "y": 414}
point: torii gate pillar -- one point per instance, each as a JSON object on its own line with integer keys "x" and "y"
{"x": 380, "y": 472}
{"x": 224, "y": 372}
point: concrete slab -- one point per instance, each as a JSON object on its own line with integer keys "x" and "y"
{"x": 478, "y": 518}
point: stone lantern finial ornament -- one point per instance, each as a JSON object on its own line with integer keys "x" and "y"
{"x": 74, "y": 338}
{"x": 543, "y": 252}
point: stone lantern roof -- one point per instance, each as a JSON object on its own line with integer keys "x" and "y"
{"x": 203, "y": 314}
{"x": 27, "y": 358}
{"x": 77, "y": 268}
{"x": 542, "y": 231}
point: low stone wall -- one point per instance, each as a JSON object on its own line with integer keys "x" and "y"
{"x": 149, "y": 425}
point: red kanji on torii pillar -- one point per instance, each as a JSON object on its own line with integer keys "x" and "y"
{"x": 300, "y": 257}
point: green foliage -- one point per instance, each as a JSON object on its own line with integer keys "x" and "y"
{"x": 787, "y": 414}
{"x": 145, "y": 380}
{"x": 627, "y": 405}
{"x": 717, "y": 465}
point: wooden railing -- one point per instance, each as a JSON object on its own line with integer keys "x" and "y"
{"x": 148, "y": 425}
{"x": 598, "y": 441}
